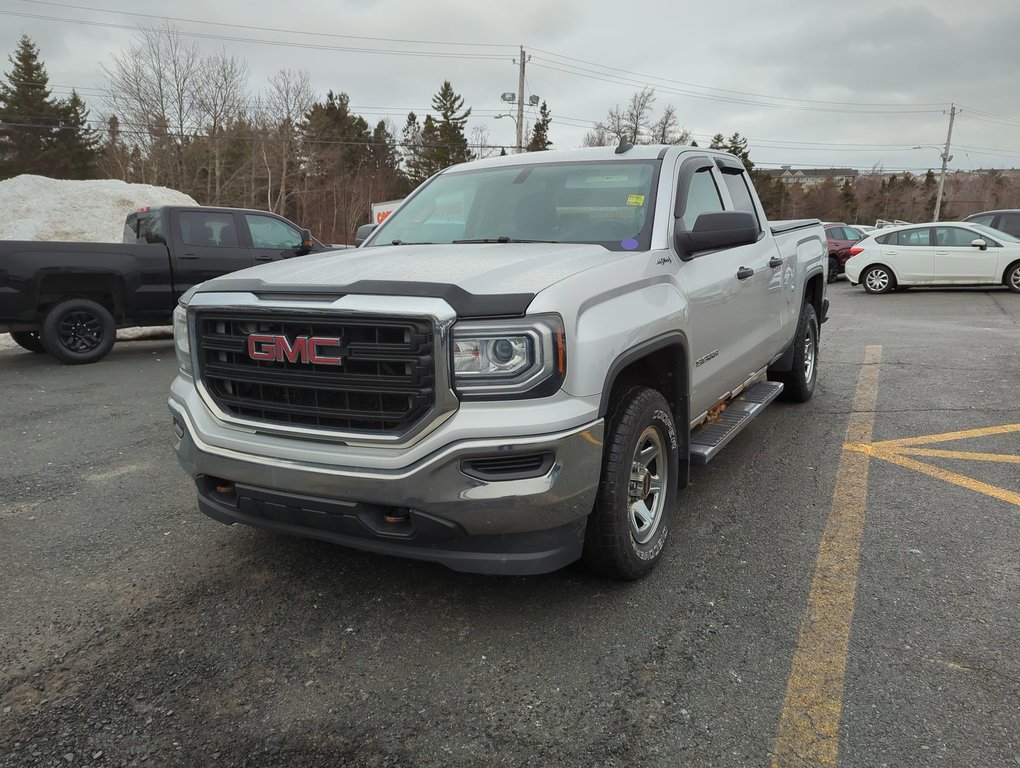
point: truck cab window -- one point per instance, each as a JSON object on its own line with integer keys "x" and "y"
{"x": 736, "y": 184}
{"x": 702, "y": 197}
{"x": 209, "y": 230}
{"x": 267, "y": 232}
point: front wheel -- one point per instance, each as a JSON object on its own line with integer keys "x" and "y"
{"x": 79, "y": 331}
{"x": 28, "y": 340}
{"x": 633, "y": 515}
{"x": 1013, "y": 277}
{"x": 799, "y": 382}
{"x": 878, "y": 279}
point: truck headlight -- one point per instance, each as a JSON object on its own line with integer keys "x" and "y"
{"x": 497, "y": 359}
{"x": 182, "y": 342}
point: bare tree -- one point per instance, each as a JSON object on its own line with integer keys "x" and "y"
{"x": 634, "y": 124}
{"x": 220, "y": 100}
{"x": 284, "y": 105}
{"x": 480, "y": 140}
{"x": 667, "y": 130}
{"x": 153, "y": 87}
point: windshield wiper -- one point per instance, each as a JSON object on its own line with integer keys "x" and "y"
{"x": 405, "y": 242}
{"x": 501, "y": 239}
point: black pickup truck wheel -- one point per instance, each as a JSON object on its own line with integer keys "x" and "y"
{"x": 79, "y": 331}
{"x": 28, "y": 340}
{"x": 628, "y": 529}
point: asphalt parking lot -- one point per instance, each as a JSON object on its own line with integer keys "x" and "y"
{"x": 842, "y": 589}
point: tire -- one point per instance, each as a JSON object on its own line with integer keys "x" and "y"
{"x": 628, "y": 529}
{"x": 1012, "y": 277}
{"x": 833, "y": 270}
{"x": 78, "y": 331}
{"x": 878, "y": 279}
{"x": 799, "y": 382}
{"x": 28, "y": 340}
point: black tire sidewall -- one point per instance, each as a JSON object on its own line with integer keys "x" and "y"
{"x": 622, "y": 556}
{"x": 833, "y": 272}
{"x": 28, "y": 340}
{"x": 50, "y": 331}
{"x": 795, "y": 387}
{"x": 1011, "y": 270}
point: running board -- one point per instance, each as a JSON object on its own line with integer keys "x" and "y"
{"x": 708, "y": 439}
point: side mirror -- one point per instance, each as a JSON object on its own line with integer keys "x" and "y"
{"x": 306, "y": 243}
{"x": 712, "y": 231}
{"x": 363, "y": 232}
{"x": 979, "y": 244}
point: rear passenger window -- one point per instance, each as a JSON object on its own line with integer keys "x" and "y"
{"x": 916, "y": 237}
{"x": 203, "y": 228}
{"x": 1009, "y": 223}
{"x": 702, "y": 197}
{"x": 736, "y": 184}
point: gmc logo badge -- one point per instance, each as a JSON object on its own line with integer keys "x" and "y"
{"x": 304, "y": 349}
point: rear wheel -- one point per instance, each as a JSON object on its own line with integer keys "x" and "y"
{"x": 799, "y": 381}
{"x": 833, "y": 269}
{"x": 878, "y": 279}
{"x": 79, "y": 331}
{"x": 628, "y": 529}
{"x": 28, "y": 340}
{"x": 1013, "y": 277}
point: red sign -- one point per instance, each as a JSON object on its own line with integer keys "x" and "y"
{"x": 304, "y": 349}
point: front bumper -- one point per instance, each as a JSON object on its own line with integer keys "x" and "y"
{"x": 523, "y": 525}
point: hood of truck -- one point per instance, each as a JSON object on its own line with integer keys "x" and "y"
{"x": 482, "y": 270}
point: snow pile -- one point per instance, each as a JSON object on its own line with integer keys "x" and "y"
{"x": 40, "y": 208}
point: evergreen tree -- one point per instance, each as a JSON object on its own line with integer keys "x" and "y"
{"x": 718, "y": 142}
{"x": 29, "y": 118}
{"x": 448, "y": 144}
{"x": 737, "y": 145}
{"x": 540, "y": 134}
{"x": 77, "y": 150}
{"x": 849, "y": 201}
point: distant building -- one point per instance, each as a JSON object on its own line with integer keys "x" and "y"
{"x": 812, "y": 177}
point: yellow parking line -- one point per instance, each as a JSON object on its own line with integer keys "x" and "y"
{"x": 947, "y": 436}
{"x": 1001, "y": 458}
{"x": 1011, "y": 497}
{"x": 808, "y": 733}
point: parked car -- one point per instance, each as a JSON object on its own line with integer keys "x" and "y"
{"x": 68, "y": 299}
{"x": 841, "y": 238}
{"x": 941, "y": 253}
{"x": 1007, "y": 221}
{"x": 513, "y": 371}
{"x": 864, "y": 228}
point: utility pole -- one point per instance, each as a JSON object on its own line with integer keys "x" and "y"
{"x": 946, "y": 157}
{"x": 520, "y": 104}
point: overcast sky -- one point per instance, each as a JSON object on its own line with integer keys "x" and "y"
{"x": 809, "y": 82}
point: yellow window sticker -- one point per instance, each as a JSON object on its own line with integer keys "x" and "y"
{"x": 635, "y": 199}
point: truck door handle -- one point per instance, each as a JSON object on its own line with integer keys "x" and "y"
{"x": 744, "y": 272}
{"x": 941, "y": 253}
{"x": 187, "y": 256}
{"x": 775, "y": 261}
{"x": 263, "y": 258}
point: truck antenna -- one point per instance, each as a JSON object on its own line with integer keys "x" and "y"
{"x": 624, "y": 145}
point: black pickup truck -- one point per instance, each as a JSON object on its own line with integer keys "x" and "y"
{"x": 68, "y": 299}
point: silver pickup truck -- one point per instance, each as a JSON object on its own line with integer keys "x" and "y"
{"x": 514, "y": 371}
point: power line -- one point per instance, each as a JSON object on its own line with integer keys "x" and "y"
{"x": 727, "y": 90}
{"x": 280, "y": 43}
{"x": 579, "y": 72}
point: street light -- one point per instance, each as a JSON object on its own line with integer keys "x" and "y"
{"x": 946, "y": 158}
{"x": 512, "y": 117}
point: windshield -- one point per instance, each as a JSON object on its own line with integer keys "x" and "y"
{"x": 608, "y": 203}
{"x": 998, "y": 234}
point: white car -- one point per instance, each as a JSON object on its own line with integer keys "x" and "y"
{"x": 941, "y": 253}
